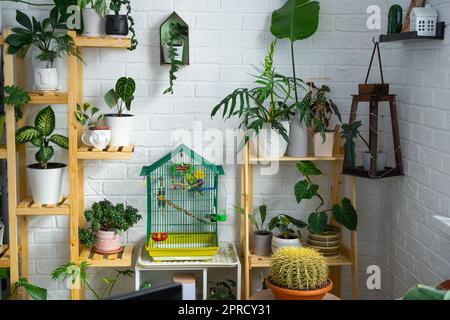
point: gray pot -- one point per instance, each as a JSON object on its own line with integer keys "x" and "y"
{"x": 262, "y": 243}
{"x": 298, "y": 138}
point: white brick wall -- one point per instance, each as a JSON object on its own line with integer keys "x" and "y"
{"x": 228, "y": 37}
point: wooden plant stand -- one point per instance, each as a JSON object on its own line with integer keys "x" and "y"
{"x": 348, "y": 256}
{"x": 20, "y": 205}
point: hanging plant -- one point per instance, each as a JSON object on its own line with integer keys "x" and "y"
{"x": 177, "y": 36}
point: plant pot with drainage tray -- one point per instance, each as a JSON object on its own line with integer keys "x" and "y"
{"x": 46, "y": 178}
{"x": 107, "y": 223}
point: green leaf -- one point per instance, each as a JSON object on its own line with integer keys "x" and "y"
{"x": 263, "y": 213}
{"x": 60, "y": 141}
{"x": 305, "y": 190}
{"x": 112, "y": 98}
{"x": 35, "y": 292}
{"x": 44, "y": 154}
{"x": 346, "y": 215}
{"x": 298, "y": 223}
{"x": 3, "y": 273}
{"x": 23, "y": 19}
{"x": 27, "y": 134}
{"x": 38, "y": 142}
{"x": 317, "y": 222}
{"x": 296, "y": 20}
{"x": 45, "y": 121}
{"x": 125, "y": 87}
{"x": 308, "y": 168}
{"x": 426, "y": 293}
{"x": 349, "y": 133}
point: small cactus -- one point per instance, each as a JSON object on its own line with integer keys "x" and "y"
{"x": 296, "y": 268}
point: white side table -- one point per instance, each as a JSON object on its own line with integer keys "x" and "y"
{"x": 226, "y": 257}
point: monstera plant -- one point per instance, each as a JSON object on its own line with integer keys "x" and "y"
{"x": 120, "y": 98}
{"x": 46, "y": 177}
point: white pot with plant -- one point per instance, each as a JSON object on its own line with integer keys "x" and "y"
{"x": 173, "y": 50}
{"x": 46, "y": 178}
{"x": 121, "y": 124}
{"x": 50, "y": 43}
{"x": 98, "y": 136}
{"x": 287, "y": 236}
{"x": 94, "y": 12}
{"x": 178, "y": 50}
{"x": 107, "y": 223}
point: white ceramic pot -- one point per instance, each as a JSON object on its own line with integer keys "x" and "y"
{"x": 93, "y": 22}
{"x": 46, "y": 79}
{"x": 270, "y": 142}
{"x": 2, "y": 233}
{"x": 321, "y": 148}
{"x": 99, "y": 137}
{"x": 46, "y": 184}
{"x": 381, "y": 160}
{"x": 278, "y": 243}
{"x": 298, "y": 138}
{"x": 121, "y": 128}
{"x": 178, "y": 49}
{"x": 107, "y": 242}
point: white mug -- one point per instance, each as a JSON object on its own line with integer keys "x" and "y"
{"x": 98, "y": 137}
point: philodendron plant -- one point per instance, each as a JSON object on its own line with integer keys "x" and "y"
{"x": 122, "y": 95}
{"x": 318, "y": 221}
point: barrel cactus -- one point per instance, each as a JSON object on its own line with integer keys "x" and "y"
{"x": 296, "y": 268}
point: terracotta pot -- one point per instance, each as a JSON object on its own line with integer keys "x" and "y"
{"x": 108, "y": 242}
{"x": 286, "y": 294}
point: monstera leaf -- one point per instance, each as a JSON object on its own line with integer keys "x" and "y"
{"x": 296, "y": 20}
{"x": 346, "y": 214}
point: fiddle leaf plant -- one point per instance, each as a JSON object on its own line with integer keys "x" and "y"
{"x": 177, "y": 35}
{"x": 41, "y": 135}
{"x": 122, "y": 95}
{"x": 344, "y": 213}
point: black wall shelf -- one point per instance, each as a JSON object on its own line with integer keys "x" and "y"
{"x": 413, "y": 35}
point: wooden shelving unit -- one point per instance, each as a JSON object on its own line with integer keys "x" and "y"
{"x": 349, "y": 255}
{"x": 405, "y": 36}
{"x": 73, "y": 204}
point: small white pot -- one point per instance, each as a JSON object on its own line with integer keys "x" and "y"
{"x": 2, "y": 233}
{"x": 46, "y": 184}
{"x": 298, "y": 138}
{"x": 270, "y": 142}
{"x": 93, "y": 22}
{"x": 178, "y": 49}
{"x": 46, "y": 79}
{"x": 324, "y": 149}
{"x": 121, "y": 128}
{"x": 381, "y": 160}
{"x": 99, "y": 137}
{"x": 278, "y": 243}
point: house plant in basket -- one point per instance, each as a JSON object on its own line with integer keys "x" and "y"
{"x": 298, "y": 274}
{"x": 120, "y": 123}
{"x": 286, "y": 236}
{"x": 46, "y": 178}
{"x": 107, "y": 221}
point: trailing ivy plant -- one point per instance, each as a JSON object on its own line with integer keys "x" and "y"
{"x": 17, "y": 97}
{"x": 41, "y": 135}
{"x": 35, "y": 292}
{"x": 177, "y": 36}
{"x": 122, "y": 96}
{"x": 105, "y": 216}
{"x": 115, "y": 6}
{"x": 88, "y": 114}
{"x": 318, "y": 221}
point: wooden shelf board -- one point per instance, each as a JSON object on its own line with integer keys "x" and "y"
{"x": 344, "y": 259}
{"x": 28, "y": 208}
{"x": 294, "y": 159}
{"x": 95, "y": 260}
{"x": 360, "y": 172}
{"x": 4, "y": 256}
{"x": 102, "y": 42}
{"x": 110, "y": 153}
{"x": 2, "y": 151}
{"x": 403, "y": 36}
{"x": 48, "y": 98}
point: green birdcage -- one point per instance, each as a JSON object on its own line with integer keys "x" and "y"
{"x": 182, "y": 215}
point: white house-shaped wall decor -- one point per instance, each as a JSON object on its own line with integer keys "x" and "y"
{"x": 424, "y": 21}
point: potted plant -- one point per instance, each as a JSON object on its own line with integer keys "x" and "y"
{"x": 296, "y": 20}
{"x": 35, "y": 292}
{"x": 51, "y": 44}
{"x": 46, "y": 178}
{"x": 97, "y": 136}
{"x": 323, "y": 236}
{"x": 264, "y": 110}
{"x": 222, "y": 290}
{"x": 107, "y": 221}
{"x": 17, "y": 97}
{"x": 173, "y": 50}
{"x": 117, "y": 24}
{"x": 299, "y": 274}
{"x": 120, "y": 123}
{"x": 94, "y": 12}
{"x": 286, "y": 236}
{"x": 262, "y": 236}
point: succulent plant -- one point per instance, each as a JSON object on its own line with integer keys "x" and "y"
{"x": 296, "y": 268}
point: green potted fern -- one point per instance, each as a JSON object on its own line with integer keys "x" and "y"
{"x": 46, "y": 178}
